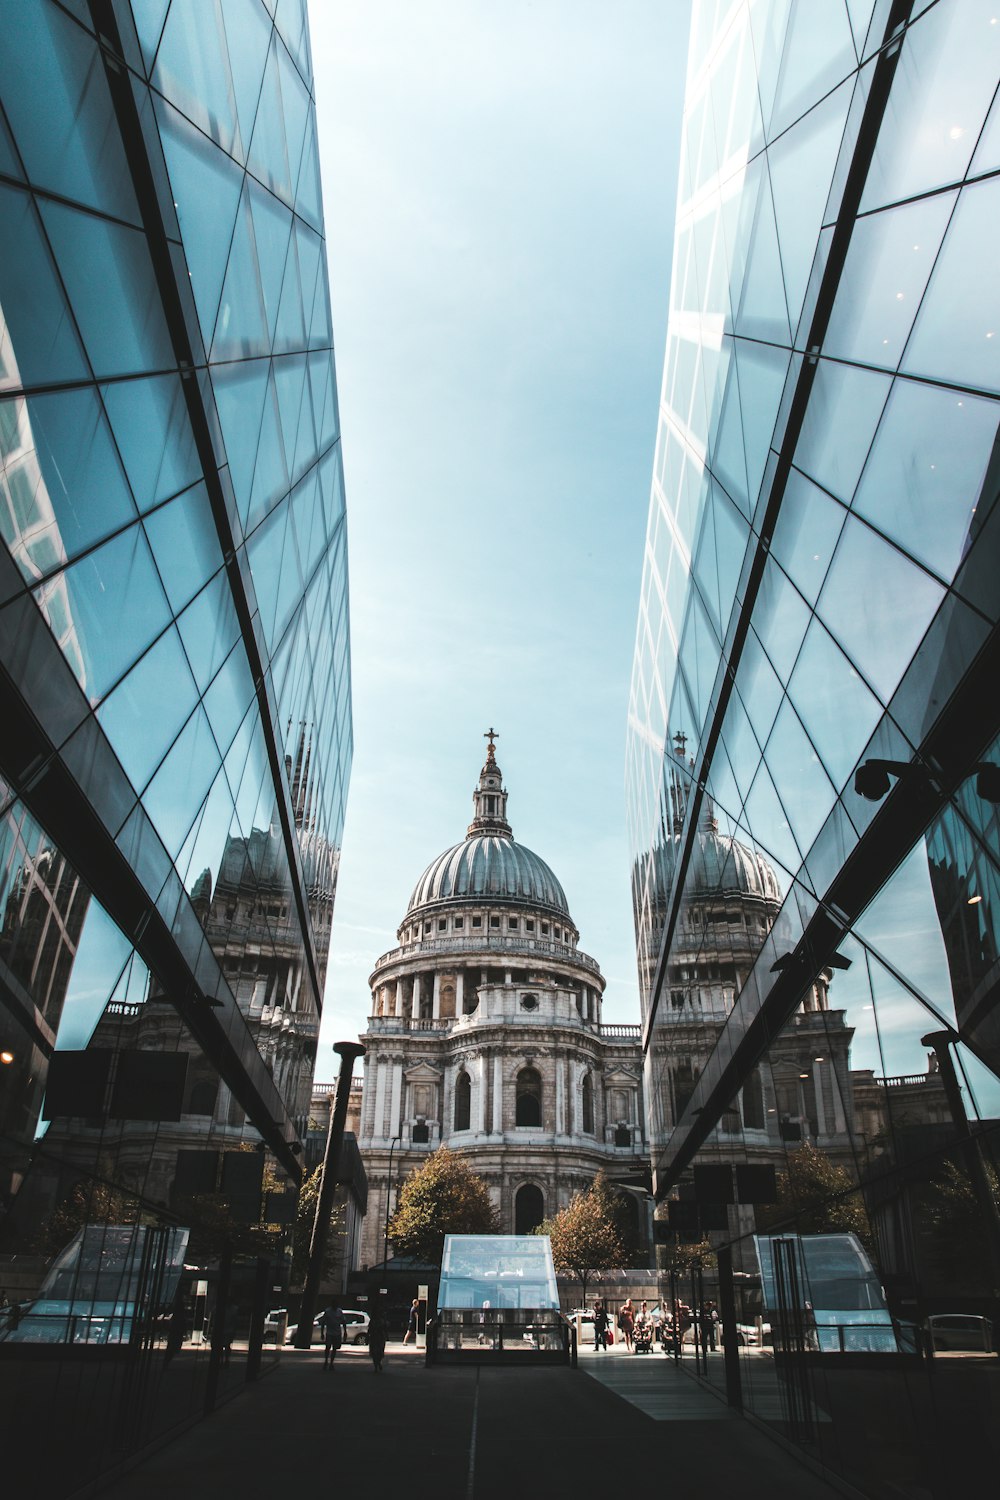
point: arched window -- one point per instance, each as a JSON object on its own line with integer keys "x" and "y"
{"x": 529, "y": 1208}
{"x": 528, "y": 1110}
{"x": 463, "y": 1101}
{"x": 587, "y": 1093}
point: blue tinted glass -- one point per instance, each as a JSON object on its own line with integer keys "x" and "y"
{"x": 924, "y": 479}
{"x": 185, "y": 544}
{"x": 818, "y": 53}
{"x": 248, "y": 32}
{"x": 180, "y": 786}
{"x": 780, "y": 619}
{"x": 206, "y": 187}
{"x": 192, "y": 70}
{"x": 290, "y": 330}
{"x": 149, "y": 419}
{"x": 209, "y": 629}
{"x": 957, "y": 335}
{"x": 116, "y": 583}
{"x": 80, "y": 471}
{"x": 241, "y": 328}
{"x": 944, "y": 82}
{"x": 807, "y": 532}
{"x": 146, "y": 710}
{"x": 295, "y": 109}
{"x": 149, "y": 16}
{"x": 270, "y": 479}
{"x": 44, "y": 346}
{"x": 878, "y": 604}
{"x": 272, "y": 224}
{"x": 268, "y": 159}
{"x": 229, "y": 697}
{"x": 806, "y": 792}
{"x": 886, "y": 271}
{"x": 239, "y": 397}
{"x": 763, "y": 312}
{"x": 308, "y": 194}
{"x": 113, "y": 292}
{"x": 289, "y": 382}
{"x": 56, "y": 97}
{"x": 801, "y": 165}
{"x": 845, "y": 404}
{"x": 762, "y": 379}
{"x": 837, "y": 709}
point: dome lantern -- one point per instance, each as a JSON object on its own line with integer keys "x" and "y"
{"x": 489, "y": 800}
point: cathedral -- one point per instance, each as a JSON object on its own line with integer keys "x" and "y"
{"x": 486, "y": 1036}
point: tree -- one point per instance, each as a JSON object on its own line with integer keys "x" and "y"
{"x": 584, "y": 1234}
{"x": 305, "y": 1214}
{"x": 815, "y": 1196}
{"x": 444, "y": 1196}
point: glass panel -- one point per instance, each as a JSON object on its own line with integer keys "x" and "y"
{"x": 888, "y": 263}
{"x": 239, "y": 396}
{"x": 185, "y": 544}
{"x": 808, "y": 529}
{"x": 150, "y": 422}
{"x": 924, "y": 479}
{"x": 272, "y": 225}
{"x": 878, "y": 605}
{"x": 117, "y": 582}
{"x": 149, "y": 16}
{"x": 206, "y": 187}
{"x": 146, "y": 710}
{"x": 763, "y": 313}
{"x": 837, "y": 709}
{"x": 56, "y": 98}
{"x": 795, "y": 767}
{"x": 192, "y": 71}
{"x": 248, "y": 33}
{"x": 943, "y": 86}
{"x": 109, "y": 278}
{"x": 818, "y": 53}
{"x": 958, "y": 329}
{"x": 175, "y": 795}
{"x": 801, "y": 165}
{"x": 840, "y": 421}
{"x": 39, "y": 342}
{"x": 241, "y": 329}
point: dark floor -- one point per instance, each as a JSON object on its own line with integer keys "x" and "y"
{"x": 458, "y": 1434}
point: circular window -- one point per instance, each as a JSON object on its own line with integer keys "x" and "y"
{"x": 529, "y": 1002}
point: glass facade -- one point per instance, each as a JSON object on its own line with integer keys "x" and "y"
{"x": 814, "y": 725}
{"x": 175, "y": 703}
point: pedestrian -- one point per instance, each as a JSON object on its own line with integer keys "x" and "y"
{"x": 334, "y": 1326}
{"x": 412, "y": 1321}
{"x": 376, "y": 1336}
{"x": 600, "y": 1326}
{"x": 626, "y": 1321}
{"x": 711, "y": 1324}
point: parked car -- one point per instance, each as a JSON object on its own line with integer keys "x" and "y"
{"x": 357, "y": 1328}
{"x": 960, "y": 1331}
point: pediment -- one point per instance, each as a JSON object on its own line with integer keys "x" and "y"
{"x": 423, "y": 1073}
{"x": 620, "y": 1080}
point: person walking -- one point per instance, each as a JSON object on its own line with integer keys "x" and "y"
{"x": 410, "y": 1336}
{"x": 376, "y": 1337}
{"x": 334, "y": 1326}
{"x": 600, "y": 1326}
{"x": 626, "y": 1321}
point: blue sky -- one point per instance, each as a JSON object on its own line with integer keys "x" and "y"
{"x": 499, "y": 187}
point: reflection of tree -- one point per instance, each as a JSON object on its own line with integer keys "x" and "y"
{"x": 89, "y": 1201}
{"x": 815, "y": 1196}
{"x": 683, "y": 1258}
{"x": 953, "y": 1225}
{"x": 585, "y": 1234}
{"x": 444, "y": 1196}
{"x": 305, "y": 1215}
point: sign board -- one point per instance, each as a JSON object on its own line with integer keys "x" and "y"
{"x": 422, "y": 1292}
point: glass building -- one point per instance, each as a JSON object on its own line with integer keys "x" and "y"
{"x": 814, "y": 722}
{"x": 175, "y": 708}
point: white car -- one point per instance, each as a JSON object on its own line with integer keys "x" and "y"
{"x": 960, "y": 1331}
{"x": 357, "y": 1327}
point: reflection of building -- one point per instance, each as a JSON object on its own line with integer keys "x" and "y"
{"x": 819, "y": 615}
{"x": 486, "y": 1035}
{"x": 175, "y": 717}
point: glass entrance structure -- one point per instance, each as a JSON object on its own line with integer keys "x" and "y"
{"x": 814, "y": 731}
{"x": 498, "y": 1301}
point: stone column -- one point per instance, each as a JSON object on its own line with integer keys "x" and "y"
{"x": 436, "y": 1002}
{"x": 460, "y": 993}
{"x": 396, "y": 1099}
{"x": 560, "y": 1120}
{"x": 398, "y": 1006}
{"x": 482, "y": 1123}
{"x": 497, "y": 1094}
{"x": 821, "y": 1123}
{"x": 378, "y": 1123}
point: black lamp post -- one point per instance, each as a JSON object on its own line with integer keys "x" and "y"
{"x": 388, "y": 1196}
{"x": 347, "y": 1051}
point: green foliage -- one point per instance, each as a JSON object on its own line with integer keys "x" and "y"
{"x": 585, "y": 1236}
{"x": 815, "y": 1196}
{"x": 90, "y": 1201}
{"x": 305, "y": 1214}
{"x": 953, "y": 1225}
{"x": 444, "y": 1196}
{"x": 682, "y": 1257}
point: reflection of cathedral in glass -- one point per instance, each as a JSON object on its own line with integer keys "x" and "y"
{"x": 175, "y": 698}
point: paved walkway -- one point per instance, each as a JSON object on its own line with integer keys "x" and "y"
{"x": 468, "y": 1434}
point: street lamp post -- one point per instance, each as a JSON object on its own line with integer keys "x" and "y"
{"x": 348, "y": 1052}
{"x": 388, "y": 1197}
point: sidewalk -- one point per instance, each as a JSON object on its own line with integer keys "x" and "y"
{"x": 464, "y": 1434}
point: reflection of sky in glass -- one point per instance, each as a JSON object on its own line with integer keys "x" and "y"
{"x": 101, "y": 972}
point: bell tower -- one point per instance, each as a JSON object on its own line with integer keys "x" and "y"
{"x": 489, "y": 800}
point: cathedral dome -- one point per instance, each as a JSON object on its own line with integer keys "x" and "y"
{"x": 721, "y": 864}
{"x": 486, "y": 865}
